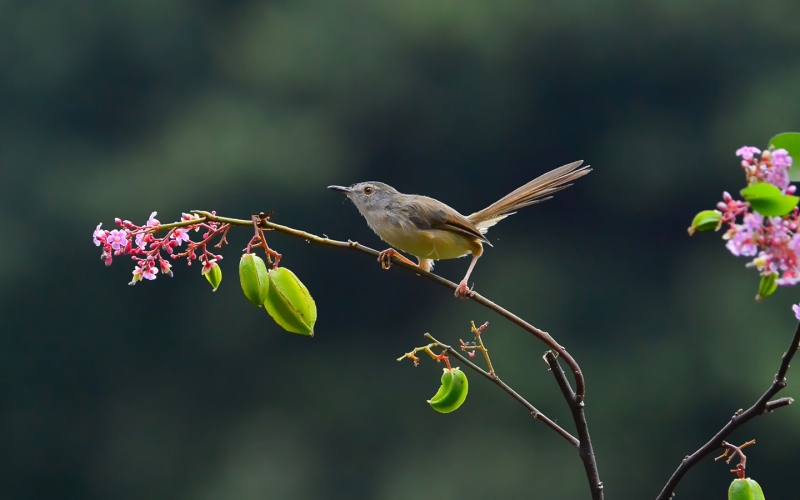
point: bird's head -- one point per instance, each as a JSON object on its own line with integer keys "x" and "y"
{"x": 369, "y": 196}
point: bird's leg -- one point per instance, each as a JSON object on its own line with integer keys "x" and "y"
{"x": 385, "y": 258}
{"x": 462, "y": 290}
{"x": 425, "y": 264}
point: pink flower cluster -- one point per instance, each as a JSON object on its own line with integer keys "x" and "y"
{"x": 774, "y": 242}
{"x": 149, "y": 252}
{"x": 773, "y": 167}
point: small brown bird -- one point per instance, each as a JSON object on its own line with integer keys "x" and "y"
{"x": 430, "y": 230}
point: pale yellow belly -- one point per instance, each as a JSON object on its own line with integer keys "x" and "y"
{"x": 433, "y": 244}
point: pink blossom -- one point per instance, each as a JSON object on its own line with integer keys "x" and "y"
{"x": 145, "y": 269}
{"x": 140, "y": 241}
{"x": 151, "y": 252}
{"x": 781, "y": 159}
{"x": 742, "y": 238}
{"x": 773, "y": 242}
{"x": 746, "y": 152}
{"x": 741, "y": 244}
{"x": 149, "y": 273}
{"x": 99, "y": 235}
{"x": 118, "y": 239}
{"x": 789, "y": 277}
{"x": 180, "y": 234}
{"x": 152, "y": 221}
{"x": 796, "y": 309}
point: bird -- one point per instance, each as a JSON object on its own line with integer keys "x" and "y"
{"x": 430, "y": 230}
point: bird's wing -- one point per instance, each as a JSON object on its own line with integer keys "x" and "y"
{"x": 443, "y": 218}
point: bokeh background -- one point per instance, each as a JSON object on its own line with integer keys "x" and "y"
{"x": 165, "y": 390}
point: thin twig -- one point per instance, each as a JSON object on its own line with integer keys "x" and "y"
{"x": 427, "y": 350}
{"x": 741, "y": 467}
{"x": 481, "y": 347}
{"x": 779, "y": 403}
{"x": 577, "y": 409}
{"x": 761, "y": 406}
{"x": 496, "y": 380}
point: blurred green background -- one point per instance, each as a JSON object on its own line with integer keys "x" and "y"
{"x": 116, "y": 108}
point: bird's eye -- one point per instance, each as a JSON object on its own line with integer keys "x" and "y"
{"x": 368, "y": 190}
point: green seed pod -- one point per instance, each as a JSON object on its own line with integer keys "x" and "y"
{"x": 452, "y": 392}
{"x": 289, "y": 303}
{"x": 767, "y": 286}
{"x": 254, "y": 278}
{"x": 707, "y": 220}
{"x": 745, "y": 489}
{"x": 213, "y": 275}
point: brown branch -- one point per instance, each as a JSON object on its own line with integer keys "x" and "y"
{"x": 496, "y": 380}
{"x": 762, "y": 405}
{"x": 577, "y": 409}
{"x": 585, "y": 448}
{"x": 778, "y": 403}
{"x": 312, "y": 238}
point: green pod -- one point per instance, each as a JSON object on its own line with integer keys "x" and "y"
{"x": 707, "y": 220}
{"x": 214, "y": 276}
{"x": 452, "y": 392}
{"x": 254, "y": 278}
{"x": 767, "y": 286}
{"x": 289, "y": 303}
{"x": 447, "y": 381}
{"x": 745, "y": 489}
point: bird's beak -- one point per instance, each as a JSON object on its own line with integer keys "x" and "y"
{"x": 343, "y": 189}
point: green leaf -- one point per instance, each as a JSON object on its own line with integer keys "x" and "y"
{"x": 790, "y": 141}
{"x": 768, "y": 200}
{"x": 761, "y": 190}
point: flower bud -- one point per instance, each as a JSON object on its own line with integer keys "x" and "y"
{"x": 706, "y": 220}
{"x": 213, "y": 274}
{"x": 289, "y": 303}
{"x": 452, "y": 392}
{"x": 165, "y": 267}
{"x": 745, "y": 489}
{"x": 767, "y": 286}
{"x": 254, "y": 278}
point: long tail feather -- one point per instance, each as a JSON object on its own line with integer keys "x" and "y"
{"x": 536, "y": 191}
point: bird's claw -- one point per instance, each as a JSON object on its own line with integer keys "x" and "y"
{"x": 463, "y": 291}
{"x": 385, "y": 258}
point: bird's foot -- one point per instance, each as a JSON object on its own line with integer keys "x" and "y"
{"x": 463, "y": 291}
{"x": 385, "y": 258}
